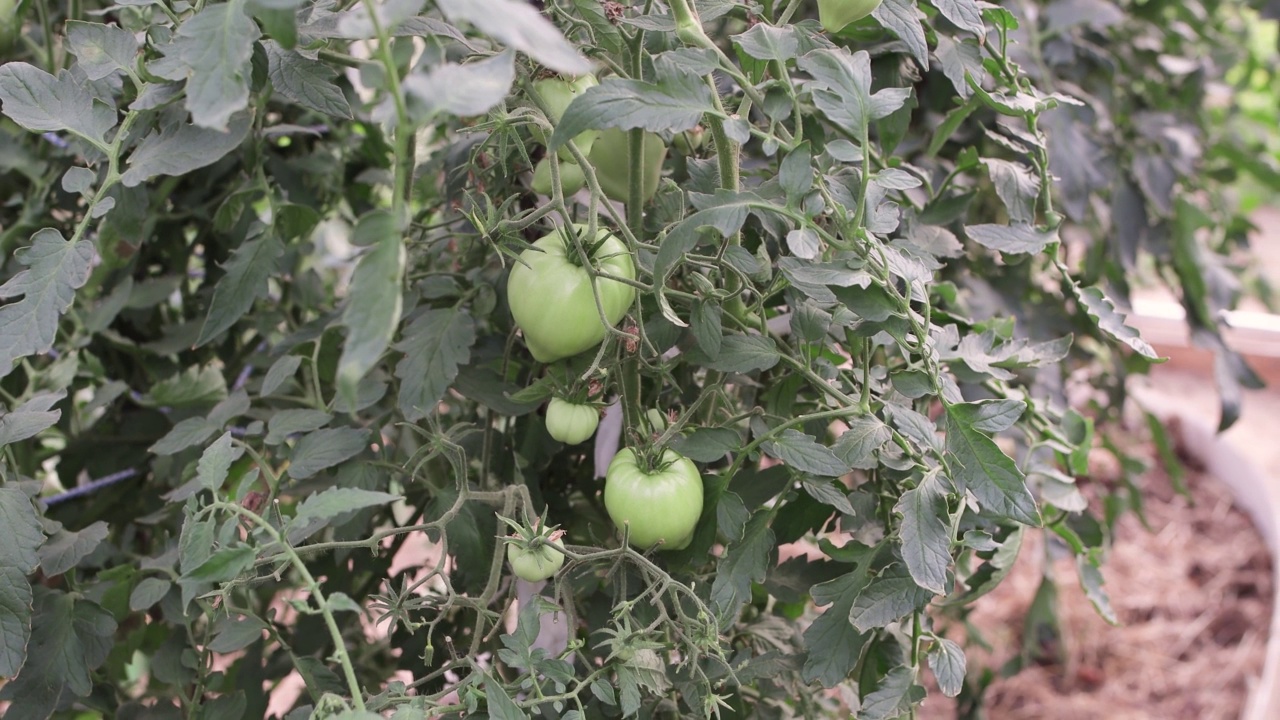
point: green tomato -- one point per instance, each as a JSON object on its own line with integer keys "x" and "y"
{"x": 609, "y": 156}
{"x": 571, "y": 178}
{"x": 551, "y": 299}
{"x": 690, "y": 141}
{"x": 534, "y": 564}
{"x": 835, "y": 15}
{"x": 556, "y": 94}
{"x": 662, "y": 506}
{"x": 570, "y": 423}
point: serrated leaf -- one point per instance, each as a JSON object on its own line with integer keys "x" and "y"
{"x": 889, "y": 597}
{"x": 15, "y": 620}
{"x": 518, "y": 25}
{"x": 982, "y": 467}
{"x": 745, "y": 353}
{"x": 1103, "y": 312}
{"x": 232, "y": 634}
{"x": 675, "y": 103}
{"x": 29, "y": 418}
{"x": 283, "y": 369}
{"x": 435, "y": 345}
{"x": 902, "y": 18}
{"x": 895, "y": 695}
{"x": 338, "y": 501}
{"x": 1091, "y": 581}
{"x": 372, "y": 314}
{"x": 463, "y": 90}
{"x": 926, "y": 534}
{"x": 1015, "y": 239}
{"x": 305, "y": 82}
{"x": 964, "y": 14}
{"x": 1017, "y": 187}
{"x": 500, "y": 705}
{"x": 22, "y": 534}
{"x": 726, "y": 216}
{"x": 325, "y": 448}
{"x": 744, "y": 562}
{"x": 211, "y": 51}
{"x": 707, "y": 330}
{"x": 179, "y": 149}
{"x": 769, "y": 42}
{"x": 857, "y": 446}
{"x": 948, "y": 663}
{"x": 101, "y": 49}
{"x": 193, "y": 387}
{"x": 804, "y": 453}
{"x": 245, "y": 281}
{"x": 185, "y": 434}
{"x": 70, "y": 637}
{"x": 215, "y": 463}
{"x": 148, "y": 592}
{"x": 833, "y": 643}
{"x": 40, "y": 102}
{"x": 66, "y": 549}
{"x": 828, "y": 492}
{"x": 287, "y": 422}
{"x": 708, "y": 444}
{"x": 55, "y": 270}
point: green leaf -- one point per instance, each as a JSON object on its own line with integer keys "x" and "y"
{"x": 902, "y": 18}
{"x": 804, "y": 453}
{"x": 64, "y": 550}
{"x": 215, "y": 463}
{"x": 858, "y": 445}
{"x": 222, "y": 566}
{"x": 517, "y": 24}
{"x": 795, "y": 174}
{"x": 178, "y": 149}
{"x": 744, "y": 562}
{"x": 993, "y": 416}
{"x": 1103, "y": 312}
{"x": 40, "y": 102}
{"x": 325, "y": 448}
{"x": 706, "y": 327}
{"x": 1015, "y": 239}
{"x": 22, "y": 534}
{"x": 948, "y": 663}
{"x": 148, "y": 592}
{"x": 833, "y": 643}
{"x": 1017, "y": 187}
{"x": 101, "y": 49}
{"x": 211, "y": 51}
{"x": 964, "y": 14}
{"x": 463, "y": 90}
{"x": 828, "y": 492}
{"x": 675, "y": 102}
{"x": 981, "y": 466}
{"x": 1091, "y": 581}
{"x": 55, "y": 270}
{"x": 306, "y": 82}
{"x": 283, "y": 369}
{"x": 70, "y": 636}
{"x": 373, "y": 311}
{"x": 194, "y": 387}
{"x": 287, "y": 422}
{"x": 887, "y": 598}
{"x": 926, "y": 533}
{"x": 726, "y": 216}
{"x": 245, "y": 281}
{"x": 745, "y": 353}
{"x": 15, "y": 619}
{"x": 894, "y": 696}
{"x": 501, "y": 706}
{"x": 338, "y": 501}
{"x": 189, "y": 432}
{"x": 232, "y": 634}
{"x": 29, "y": 418}
{"x": 708, "y": 444}
{"x": 435, "y": 345}
{"x": 768, "y": 42}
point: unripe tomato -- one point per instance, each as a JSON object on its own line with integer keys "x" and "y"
{"x": 609, "y": 157}
{"x": 570, "y": 423}
{"x": 662, "y": 506}
{"x": 835, "y": 15}
{"x": 551, "y": 298}
{"x": 690, "y": 141}
{"x": 571, "y": 178}
{"x": 533, "y": 564}
{"x": 556, "y": 94}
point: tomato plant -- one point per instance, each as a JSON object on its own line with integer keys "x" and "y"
{"x": 560, "y": 306}
{"x": 660, "y": 504}
{"x": 282, "y": 299}
{"x": 571, "y": 423}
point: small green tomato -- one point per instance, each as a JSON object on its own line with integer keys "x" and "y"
{"x": 571, "y": 423}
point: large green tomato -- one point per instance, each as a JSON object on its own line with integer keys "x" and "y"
{"x": 571, "y": 178}
{"x": 609, "y": 156}
{"x": 570, "y": 423}
{"x": 835, "y": 15}
{"x": 534, "y": 564}
{"x": 551, "y": 299}
{"x": 659, "y": 506}
{"x": 556, "y": 94}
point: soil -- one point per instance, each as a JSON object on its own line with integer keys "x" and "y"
{"x": 1192, "y": 591}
